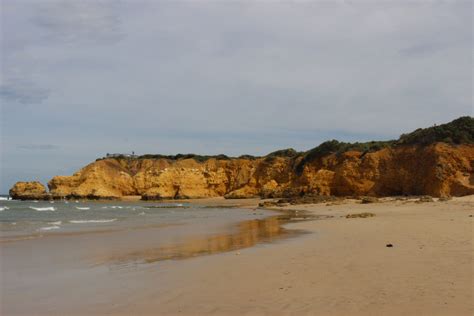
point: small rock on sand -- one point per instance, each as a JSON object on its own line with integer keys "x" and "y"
{"x": 360, "y": 215}
{"x": 369, "y": 199}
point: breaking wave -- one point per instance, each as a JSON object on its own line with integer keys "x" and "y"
{"x": 93, "y": 221}
{"x": 50, "y": 227}
{"x": 43, "y": 209}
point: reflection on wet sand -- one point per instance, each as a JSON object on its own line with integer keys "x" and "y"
{"x": 242, "y": 235}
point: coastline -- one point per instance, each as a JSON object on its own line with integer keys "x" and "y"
{"x": 341, "y": 267}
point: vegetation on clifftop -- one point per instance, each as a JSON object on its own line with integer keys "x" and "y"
{"x": 198, "y": 158}
{"x": 459, "y": 131}
{"x": 336, "y": 147}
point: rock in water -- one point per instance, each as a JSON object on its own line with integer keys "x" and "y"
{"x": 29, "y": 191}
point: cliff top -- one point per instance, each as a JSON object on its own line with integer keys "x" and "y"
{"x": 459, "y": 131}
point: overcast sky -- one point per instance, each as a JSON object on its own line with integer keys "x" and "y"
{"x": 83, "y": 78}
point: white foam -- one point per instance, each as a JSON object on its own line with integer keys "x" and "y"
{"x": 4, "y": 208}
{"x": 113, "y": 206}
{"x": 142, "y": 213}
{"x": 55, "y": 223}
{"x": 83, "y": 208}
{"x": 93, "y": 221}
{"x": 43, "y": 209}
{"x": 5, "y": 198}
{"x": 49, "y": 227}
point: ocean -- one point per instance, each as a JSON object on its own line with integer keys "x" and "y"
{"x": 152, "y": 231}
{"x": 55, "y": 253}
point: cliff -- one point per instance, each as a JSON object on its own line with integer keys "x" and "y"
{"x": 437, "y": 161}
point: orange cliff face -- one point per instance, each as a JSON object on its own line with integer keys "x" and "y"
{"x": 153, "y": 178}
{"x": 437, "y": 170}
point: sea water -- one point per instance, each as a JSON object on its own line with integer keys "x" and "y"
{"x": 55, "y": 254}
{"x": 37, "y": 218}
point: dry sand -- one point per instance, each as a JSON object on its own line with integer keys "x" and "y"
{"x": 342, "y": 267}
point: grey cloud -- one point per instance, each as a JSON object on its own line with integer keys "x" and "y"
{"x": 22, "y": 91}
{"x": 38, "y": 147}
{"x": 78, "y": 21}
{"x": 220, "y": 77}
{"x": 31, "y": 29}
{"x": 422, "y": 49}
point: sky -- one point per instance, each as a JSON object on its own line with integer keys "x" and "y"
{"x": 80, "y": 79}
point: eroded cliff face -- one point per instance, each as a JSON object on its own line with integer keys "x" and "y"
{"x": 437, "y": 170}
{"x": 154, "y": 178}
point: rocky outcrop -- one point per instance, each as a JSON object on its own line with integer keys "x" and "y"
{"x": 105, "y": 179}
{"x": 402, "y": 167}
{"x": 29, "y": 191}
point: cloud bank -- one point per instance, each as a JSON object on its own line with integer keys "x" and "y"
{"x": 91, "y": 77}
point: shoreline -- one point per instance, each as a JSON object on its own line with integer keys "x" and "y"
{"x": 249, "y": 204}
{"x": 341, "y": 267}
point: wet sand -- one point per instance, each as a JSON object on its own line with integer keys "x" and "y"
{"x": 67, "y": 272}
{"x": 341, "y": 267}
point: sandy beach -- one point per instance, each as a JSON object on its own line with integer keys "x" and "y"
{"x": 236, "y": 158}
{"x": 341, "y": 266}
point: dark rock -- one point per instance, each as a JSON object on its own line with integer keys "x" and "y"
{"x": 425, "y": 198}
{"x": 360, "y": 215}
{"x": 369, "y": 199}
{"x": 444, "y": 198}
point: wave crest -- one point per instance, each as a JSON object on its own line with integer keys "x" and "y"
{"x": 92, "y": 221}
{"x": 43, "y": 209}
{"x": 50, "y": 227}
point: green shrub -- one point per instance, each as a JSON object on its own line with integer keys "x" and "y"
{"x": 459, "y": 131}
{"x": 336, "y": 147}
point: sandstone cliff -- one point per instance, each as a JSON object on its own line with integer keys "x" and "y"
{"x": 405, "y": 167}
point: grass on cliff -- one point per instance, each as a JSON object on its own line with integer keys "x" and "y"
{"x": 198, "y": 158}
{"x": 459, "y": 131}
{"x": 336, "y": 147}
{"x": 283, "y": 153}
